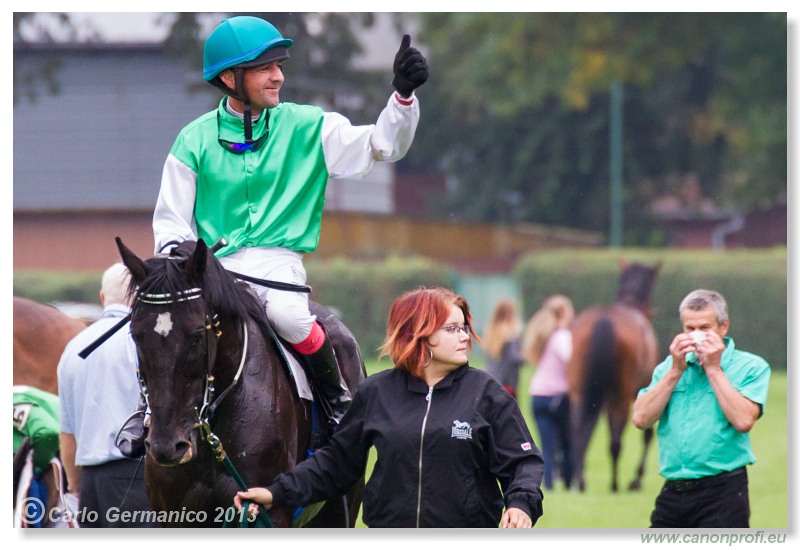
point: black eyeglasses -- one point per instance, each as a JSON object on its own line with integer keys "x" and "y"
{"x": 237, "y": 148}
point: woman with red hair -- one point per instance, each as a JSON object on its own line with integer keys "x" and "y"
{"x": 453, "y": 449}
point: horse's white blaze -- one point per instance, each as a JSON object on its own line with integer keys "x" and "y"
{"x": 163, "y": 324}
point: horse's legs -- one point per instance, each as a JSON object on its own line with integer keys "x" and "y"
{"x": 582, "y": 428}
{"x": 636, "y": 484}
{"x": 616, "y": 423}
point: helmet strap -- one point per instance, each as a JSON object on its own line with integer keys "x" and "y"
{"x": 242, "y": 96}
{"x": 248, "y": 122}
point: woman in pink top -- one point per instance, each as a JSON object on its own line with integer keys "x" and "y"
{"x": 548, "y": 346}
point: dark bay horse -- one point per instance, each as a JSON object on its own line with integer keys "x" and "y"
{"x": 41, "y": 333}
{"x": 614, "y": 354}
{"x": 204, "y": 353}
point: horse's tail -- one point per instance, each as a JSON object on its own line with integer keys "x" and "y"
{"x": 599, "y": 376}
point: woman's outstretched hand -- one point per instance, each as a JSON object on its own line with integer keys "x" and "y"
{"x": 257, "y": 495}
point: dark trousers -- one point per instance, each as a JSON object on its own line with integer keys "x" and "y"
{"x": 552, "y": 420}
{"x": 111, "y": 490}
{"x": 716, "y": 501}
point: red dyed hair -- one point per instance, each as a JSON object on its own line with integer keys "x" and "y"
{"x": 413, "y": 318}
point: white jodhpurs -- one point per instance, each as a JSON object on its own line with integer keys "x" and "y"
{"x": 287, "y": 311}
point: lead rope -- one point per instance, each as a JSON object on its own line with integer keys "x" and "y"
{"x": 262, "y": 520}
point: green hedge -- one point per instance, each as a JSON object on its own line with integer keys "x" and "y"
{"x": 57, "y": 286}
{"x": 362, "y": 292}
{"x": 752, "y": 281}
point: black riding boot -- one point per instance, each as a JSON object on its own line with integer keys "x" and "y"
{"x": 328, "y": 379}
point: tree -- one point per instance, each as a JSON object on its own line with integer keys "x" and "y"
{"x": 26, "y": 30}
{"x": 517, "y": 110}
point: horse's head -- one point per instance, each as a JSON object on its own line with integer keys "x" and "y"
{"x": 175, "y": 330}
{"x": 636, "y": 284}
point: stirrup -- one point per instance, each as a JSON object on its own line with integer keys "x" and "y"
{"x": 338, "y": 406}
{"x": 130, "y": 437}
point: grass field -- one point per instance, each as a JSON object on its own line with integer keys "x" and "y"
{"x": 598, "y": 507}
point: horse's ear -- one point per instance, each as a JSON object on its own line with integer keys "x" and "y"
{"x": 196, "y": 264}
{"x": 134, "y": 264}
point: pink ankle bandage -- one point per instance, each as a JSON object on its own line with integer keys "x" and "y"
{"x": 313, "y": 341}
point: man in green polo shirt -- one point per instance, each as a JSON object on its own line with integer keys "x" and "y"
{"x": 706, "y": 397}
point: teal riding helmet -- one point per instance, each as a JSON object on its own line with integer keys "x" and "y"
{"x": 242, "y": 41}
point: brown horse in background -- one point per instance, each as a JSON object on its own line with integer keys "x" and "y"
{"x": 614, "y": 354}
{"x": 40, "y": 335}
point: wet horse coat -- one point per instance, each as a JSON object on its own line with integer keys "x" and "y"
{"x": 189, "y": 321}
{"x": 614, "y": 354}
{"x": 40, "y": 335}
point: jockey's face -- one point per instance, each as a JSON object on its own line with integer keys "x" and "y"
{"x": 262, "y": 85}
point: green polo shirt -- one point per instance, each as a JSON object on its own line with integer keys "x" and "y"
{"x": 271, "y": 197}
{"x": 694, "y": 437}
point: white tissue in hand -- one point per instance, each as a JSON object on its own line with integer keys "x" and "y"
{"x": 698, "y": 336}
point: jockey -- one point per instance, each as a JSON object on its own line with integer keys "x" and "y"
{"x": 254, "y": 171}
{"x": 37, "y": 428}
{"x": 36, "y": 416}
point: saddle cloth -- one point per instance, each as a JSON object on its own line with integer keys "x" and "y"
{"x": 62, "y": 516}
{"x": 298, "y": 374}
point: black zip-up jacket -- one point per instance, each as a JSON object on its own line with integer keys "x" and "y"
{"x": 440, "y": 454}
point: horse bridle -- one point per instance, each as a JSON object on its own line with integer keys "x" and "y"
{"x": 209, "y": 404}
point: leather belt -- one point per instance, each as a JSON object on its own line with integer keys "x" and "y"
{"x": 681, "y": 485}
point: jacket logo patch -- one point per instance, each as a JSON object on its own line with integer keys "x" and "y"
{"x": 461, "y": 430}
{"x": 526, "y": 446}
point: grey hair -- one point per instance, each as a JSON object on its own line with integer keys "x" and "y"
{"x": 115, "y": 283}
{"x": 700, "y": 299}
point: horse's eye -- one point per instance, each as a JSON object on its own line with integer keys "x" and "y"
{"x": 197, "y": 338}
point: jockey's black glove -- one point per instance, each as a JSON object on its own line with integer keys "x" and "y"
{"x": 410, "y": 68}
